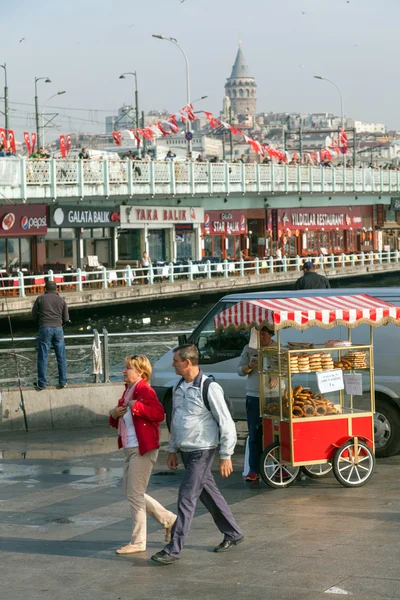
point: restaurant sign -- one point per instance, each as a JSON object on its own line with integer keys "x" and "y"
{"x": 85, "y": 217}
{"x": 23, "y": 220}
{"x": 154, "y": 215}
{"x": 229, "y": 222}
{"x": 327, "y": 218}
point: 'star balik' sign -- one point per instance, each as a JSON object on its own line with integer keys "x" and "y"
{"x": 88, "y": 217}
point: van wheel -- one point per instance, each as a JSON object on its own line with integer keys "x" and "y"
{"x": 386, "y": 428}
{"x": 167, "y": 404}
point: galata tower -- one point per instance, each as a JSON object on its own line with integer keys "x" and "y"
{"x": 241, "y": 88}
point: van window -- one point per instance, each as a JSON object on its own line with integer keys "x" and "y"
{"x": 217, "y": 346}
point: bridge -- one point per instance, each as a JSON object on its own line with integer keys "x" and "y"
{"x": 35, "y": 180}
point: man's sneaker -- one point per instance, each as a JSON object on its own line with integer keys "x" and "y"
{"x": 38, "y": 387}
{"x": 251, "y": 476}
{"x": 61, "y": 386}
{"x": 164, "y": 558}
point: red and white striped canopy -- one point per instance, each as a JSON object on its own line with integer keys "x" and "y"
{"x": 302, "y": 313}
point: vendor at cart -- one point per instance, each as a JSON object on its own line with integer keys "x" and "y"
{"x": 248, "y": 367}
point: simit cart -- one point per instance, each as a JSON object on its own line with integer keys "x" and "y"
{"x": 323, "y": 417}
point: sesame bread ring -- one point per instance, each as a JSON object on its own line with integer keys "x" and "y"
{"x": 320, "y": 409}
{"x": 309, "y": 411}
{"x": 298, "y": 390}
{"x": 318, "y": 397}
{"x": 297, "y": 411}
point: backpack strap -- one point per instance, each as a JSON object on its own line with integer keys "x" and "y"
{"x": 207, "y": 382}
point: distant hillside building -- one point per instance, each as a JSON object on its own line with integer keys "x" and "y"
{"x": 241, "y": 87}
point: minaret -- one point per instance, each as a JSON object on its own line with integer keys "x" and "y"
{"x": 241, "y": 87}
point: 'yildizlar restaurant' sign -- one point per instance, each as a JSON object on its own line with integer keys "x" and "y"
{"x": 75, "y": 216}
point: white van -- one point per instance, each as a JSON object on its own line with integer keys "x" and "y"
{"x": 220, "y": 352}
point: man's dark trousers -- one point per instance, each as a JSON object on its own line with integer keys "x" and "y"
{"x": 198, "y": 483}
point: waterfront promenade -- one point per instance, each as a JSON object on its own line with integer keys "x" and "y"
{"x": 111, "y": 286}
{"x": 62, "y": 515}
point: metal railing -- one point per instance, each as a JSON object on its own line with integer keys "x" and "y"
{"x": 80, "y": 355}
{"x": 22, "y": 179}
{"x": 21, "y": 284}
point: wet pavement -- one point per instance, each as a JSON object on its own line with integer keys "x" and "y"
{"x": 62, "y": 515}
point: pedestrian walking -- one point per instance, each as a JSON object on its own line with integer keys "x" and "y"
{"x": 311, "y": 280}
{"x": 138, "y": 416}
{"x": 197, "y": 429}
{"x": 248, "y": 366}
{"x": 50, "y": 313}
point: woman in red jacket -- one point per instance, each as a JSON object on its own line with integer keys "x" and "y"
{"x": 138, "y": 417}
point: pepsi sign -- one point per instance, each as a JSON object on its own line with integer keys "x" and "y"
{"x": 33, "y": 222}
{"x": 24, "y": 220}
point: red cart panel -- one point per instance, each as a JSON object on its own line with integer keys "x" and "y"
{"x": 318, "y": 440}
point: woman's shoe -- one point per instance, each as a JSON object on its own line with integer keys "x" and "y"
{"x": 168, "y": 531}
{"x": 131, "y": 549}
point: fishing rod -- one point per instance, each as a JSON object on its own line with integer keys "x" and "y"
{"x": 14, "y": 350}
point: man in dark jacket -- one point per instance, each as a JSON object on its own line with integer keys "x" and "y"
{"x": 311, "y": 280}
{"x": 50, "y": 312}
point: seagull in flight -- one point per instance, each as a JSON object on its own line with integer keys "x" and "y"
{"x": 21, "y": 40}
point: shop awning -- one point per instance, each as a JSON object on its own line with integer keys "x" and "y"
{"x": 302, "y": 313}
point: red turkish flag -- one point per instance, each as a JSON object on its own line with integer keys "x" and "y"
{"x": 189, "y": 111}
{"x": 68, "y": 143}
{"x": 27, "y": 142}
{"x": 62, "y": 146}
{"x": 212, "y": 120}
{"x": 117, "y": 135}
{"x": 236, "y": 131}
{"x": 161, "y": 128}
{"x": 173, "y": 124}
{"x": 3, "y": 136}
{"x": 137, "y": 138}
{"x": 146, "y": 132}
{"x": 33, "y": 141}
{"x": 11, "y": 139}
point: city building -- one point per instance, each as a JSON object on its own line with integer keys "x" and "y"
{"x": 360, "y": 127}
{"x": 241, "y": 89}
{"x": 125, "y": 119}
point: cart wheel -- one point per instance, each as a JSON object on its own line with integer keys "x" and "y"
{"x": 353, "y": 470}
{"x": 318, "y": 470}
{"x": 273, "y": 472}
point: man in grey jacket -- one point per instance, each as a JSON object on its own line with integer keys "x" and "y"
{"x": 196, "y": 431}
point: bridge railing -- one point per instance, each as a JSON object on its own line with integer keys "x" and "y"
{"x": 22, "y": 284}
{"x": 22, "y": 179}
{"x": 91, "y": 357}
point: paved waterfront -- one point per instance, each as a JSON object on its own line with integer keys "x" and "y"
{"x": 62, "y": 514}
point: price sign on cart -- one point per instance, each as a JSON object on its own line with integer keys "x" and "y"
{"x": 330, "y": 381}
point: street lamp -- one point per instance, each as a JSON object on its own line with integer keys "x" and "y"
{"x": 174, "y": 41}
{"x": 46, "y": 80}
{"x": 123, "y": 76}
{"x": 44, "y": 106}
{"x": 341, "y": 104}
{"x": 5, "y": 100}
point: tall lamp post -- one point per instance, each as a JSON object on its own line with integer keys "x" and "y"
{"x": 123, "y": 76}
{"x": 341, "y": 99}
{"x": 174, "y": 41}
{"x": 5, "y": 100}
{"x": 44, "y": 106}
{"x": 46, "y": 80}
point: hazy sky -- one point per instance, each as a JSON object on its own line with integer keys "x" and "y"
{"x": 84, "y": 45}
